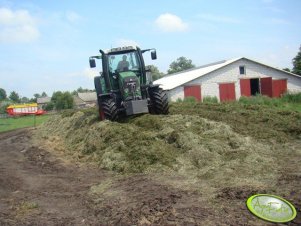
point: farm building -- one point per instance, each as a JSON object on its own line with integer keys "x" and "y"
{"x": 83, "y": 100}
{"x": 229, "y": 80}
{"x": 43, "y": 101}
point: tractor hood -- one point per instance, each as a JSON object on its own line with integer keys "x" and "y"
{"x": 129, "y": 85}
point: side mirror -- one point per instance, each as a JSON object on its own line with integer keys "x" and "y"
{"x": 92, "y": 63}
{"x": 154, "y": 55}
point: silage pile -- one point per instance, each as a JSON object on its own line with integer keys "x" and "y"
{"x": 184, "y": 144}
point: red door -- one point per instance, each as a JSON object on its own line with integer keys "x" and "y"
{"x": 266, "y": 86}
{"x": 245, "y": 87}
{"x": 193, "y": 91}
{"x": 227, "y": 92}
{"x": 283, "y": 86}
{"x": 279, "y": 87}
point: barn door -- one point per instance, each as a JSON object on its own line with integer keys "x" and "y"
{"x": 266, "y": 86}
{"x": 227, "y": 92}
{"x": 279, "y": 87}
{"x": 193, "y": 91}
{"x": 245, "y": 87}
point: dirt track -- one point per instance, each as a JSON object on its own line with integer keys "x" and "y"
{"x": 38, "y": 188}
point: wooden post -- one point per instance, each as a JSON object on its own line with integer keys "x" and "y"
{"x": 34, "y": 118}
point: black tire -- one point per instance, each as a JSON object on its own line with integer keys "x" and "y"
{"x": 98, "y": 92}
{"x": 159, "y": 102}
{"x": 98, "y": 88}
{"x": 109, "y": 109}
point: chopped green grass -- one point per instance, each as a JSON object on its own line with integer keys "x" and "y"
{"x": 7, "y": 124}
{"x": 178, "y": 141}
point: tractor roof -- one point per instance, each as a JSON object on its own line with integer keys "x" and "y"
{"x": 121, "y": 49}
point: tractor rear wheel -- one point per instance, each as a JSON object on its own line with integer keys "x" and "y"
{"x": 109, "y": 109}
{"x": 159, "y": 102}
{"x": 99, "y": 92}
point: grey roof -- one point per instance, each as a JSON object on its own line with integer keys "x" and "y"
{"x": 91, "y": 96}
{"x": 43, "y": 100}
{"x": 78, "y": 101}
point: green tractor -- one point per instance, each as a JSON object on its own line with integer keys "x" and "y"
{"x": 125, "y": 86}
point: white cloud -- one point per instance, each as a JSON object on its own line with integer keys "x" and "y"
{"x": 72, "y": 16}
{"x": 125, "y": 42}
{"x": 17, "y": 26}
{"x": 219, "y": 19}
{"x": 171, "y": 23}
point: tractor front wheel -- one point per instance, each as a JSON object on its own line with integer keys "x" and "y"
{"x": 109, "y": 109}
{"x": 159, "y": 102}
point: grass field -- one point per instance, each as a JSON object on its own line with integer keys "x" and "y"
{"x": 7, "y": 124}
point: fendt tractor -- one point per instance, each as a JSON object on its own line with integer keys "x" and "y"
{"x": 124, "y": 86}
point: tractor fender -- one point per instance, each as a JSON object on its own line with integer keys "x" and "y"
{"x": 153, "y": 86}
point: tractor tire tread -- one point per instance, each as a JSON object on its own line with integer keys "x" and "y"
{"x": 159, "y": 102}
{"x": 110, "y": 109}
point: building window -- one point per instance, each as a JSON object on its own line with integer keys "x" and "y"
{"x": 242, "y": 70}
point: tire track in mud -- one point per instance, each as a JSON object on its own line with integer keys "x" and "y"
{"x": 38, "y": 189}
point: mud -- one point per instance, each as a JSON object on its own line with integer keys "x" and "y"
{"x": 38, "y": 187}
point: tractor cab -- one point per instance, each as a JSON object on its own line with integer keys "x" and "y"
{"x": 125, "y": 65}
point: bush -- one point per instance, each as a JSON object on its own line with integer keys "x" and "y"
{"x": 209, "y": 99}
{"x": 179, "y": 100}
{"x": 49, "y": 106}
{"x": 291, "y": 97}
{"x": 190, "y": 100}
{"x": 259, "y": 100}
{"x": 62, "y": 100}
{"x": 3, "y": 107}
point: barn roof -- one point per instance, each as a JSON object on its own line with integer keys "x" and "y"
{"x": 91, "y": 96}
{"x": 43, "y": 100}
{"x": 172, "y": 81}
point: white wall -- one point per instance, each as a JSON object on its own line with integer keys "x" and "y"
{"x": 230, "y": 73}
{"x": 177, "y": 93}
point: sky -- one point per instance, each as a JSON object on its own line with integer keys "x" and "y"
{"x": 45, "y": 45}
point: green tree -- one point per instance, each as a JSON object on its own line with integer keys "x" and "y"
{"x": 181, "y": 64}
{"x": 35, "y": 97}
{"x": 62, "y": 100}
{"x": 3, "y": 108}
{"x": 156, "y": 74}
{"x": 297, "y": 63}
{"x": 287, "y": 69}
{"x": 3, "y": 95}
{"x": 14, "y": 96}
{"x": 74, "y": 93}
{"x": 49, "y": 106}
{"x": 24, "y": 100}
{"x": 82, "y": 90}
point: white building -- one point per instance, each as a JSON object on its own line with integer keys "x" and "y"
{"x": 229, "y": 80}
